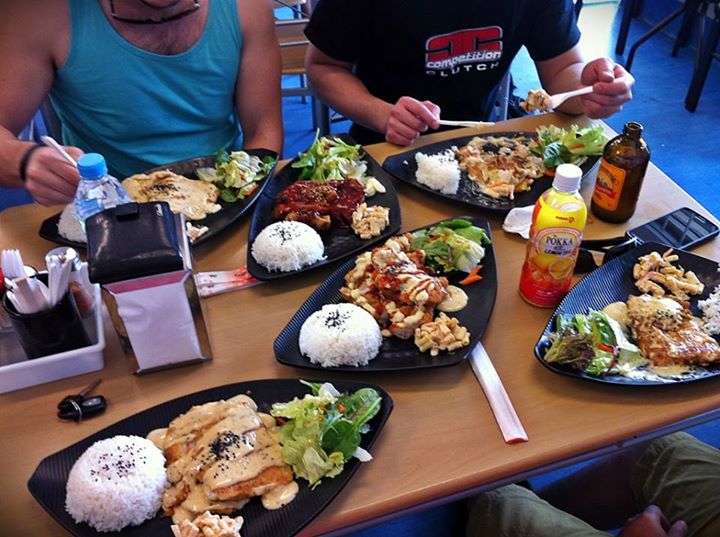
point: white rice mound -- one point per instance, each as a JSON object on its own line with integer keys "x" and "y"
{"x": 440, "y": 171}
{"x": 116, "y": 482}
{"x": 711, "y": 312}
{"x": 286, "y": 246}
{"x": 340, "y": 334}
{"x": 69, "y": 226}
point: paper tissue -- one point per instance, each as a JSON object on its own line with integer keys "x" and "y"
{"x": 141, "y": 256}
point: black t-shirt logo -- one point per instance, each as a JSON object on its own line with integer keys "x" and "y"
{"x": 473, "y": 49}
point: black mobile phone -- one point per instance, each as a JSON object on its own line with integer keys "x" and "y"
{"x": 682, "y": 229}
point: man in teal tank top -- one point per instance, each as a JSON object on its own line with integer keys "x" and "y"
{"x": 143, "y": 82}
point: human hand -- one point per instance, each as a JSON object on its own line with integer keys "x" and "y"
{"x": 408, "y": 118}
{"x": 612, "y": 88}
{"x": 653, "y": 523}
{"x": 49, "y": 178}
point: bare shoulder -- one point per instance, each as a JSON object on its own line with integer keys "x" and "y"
{"x": 256, "y": 16}
{"x": 40, "y": 26}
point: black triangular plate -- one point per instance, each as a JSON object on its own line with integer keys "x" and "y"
{"x": 217, "y": 222}
{"x": 339, "y": 243}
{"x": 397, "y": 354}
{"x": 614, "y": 282}
{"x": 47, "y": 484}
{"x": 403, "y": 167}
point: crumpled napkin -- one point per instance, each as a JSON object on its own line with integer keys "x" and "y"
{"x": 518, "y": 221}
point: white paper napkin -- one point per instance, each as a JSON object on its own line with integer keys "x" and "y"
{"x": 159, "y": 323}
{"x": 518, "y": 221}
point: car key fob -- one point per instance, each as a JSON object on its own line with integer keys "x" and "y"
{"x": 67, "y": 402}
{"x": 89, "y": 407}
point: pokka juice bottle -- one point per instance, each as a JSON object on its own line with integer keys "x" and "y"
{"x": 558, "y": 222}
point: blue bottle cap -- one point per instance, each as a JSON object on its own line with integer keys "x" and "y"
{"x": 92, "y": 166}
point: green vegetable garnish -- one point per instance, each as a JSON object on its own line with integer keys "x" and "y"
{"x": 329, "y": 158}
{"x": 594, "y": 343}
{"x": 236, "y": 174}
{"x": 324, "y": 429}
{"x": 452, "y": 245}
{"x": 557, "y": 146}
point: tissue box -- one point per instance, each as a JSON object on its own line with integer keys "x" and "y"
{"x": 159, "y": 320}
{"x": 154, "y": 307}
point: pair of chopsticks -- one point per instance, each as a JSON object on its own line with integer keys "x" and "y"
{"x": 505, "y": 415}
{"x": 214, "y": 283}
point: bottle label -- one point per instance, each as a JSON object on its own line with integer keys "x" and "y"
{"x": 608, "y": 186}
{"x": 560, "y": 242}
{"x": 548, "y": 269}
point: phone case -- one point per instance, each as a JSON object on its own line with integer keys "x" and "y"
{"x": 683, "y": 229}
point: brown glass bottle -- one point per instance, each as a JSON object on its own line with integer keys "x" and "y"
{"x": 620, "y": 177}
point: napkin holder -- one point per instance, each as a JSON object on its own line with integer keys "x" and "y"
{"x": 157, "y": 317}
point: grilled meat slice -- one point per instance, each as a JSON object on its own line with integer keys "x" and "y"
{"x": 320, "y": 205}
{"x": 668, "y": 334}
{"x": 686, "y": 345}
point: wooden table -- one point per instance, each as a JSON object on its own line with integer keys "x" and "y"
{"x": 441, "y": 441}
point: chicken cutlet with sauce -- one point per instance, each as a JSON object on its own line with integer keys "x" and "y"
{"x": 393, "y": 284}
{"x": 195, "y": 199}
{"x": 668, "y": 334}
{"x": 220, "y": 455}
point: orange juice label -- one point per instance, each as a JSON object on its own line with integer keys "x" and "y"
{"x": 548, "y": 270}
{"x": 560, "y": 242}
{"x": 608, "y": 186}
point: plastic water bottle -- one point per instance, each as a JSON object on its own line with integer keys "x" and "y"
{"x": 97, "y": 190}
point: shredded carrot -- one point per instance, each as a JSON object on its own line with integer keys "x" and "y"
{"x": 472, "y": 277}
{"x": 253, "y": 189}
{"x": 341, "y": 408}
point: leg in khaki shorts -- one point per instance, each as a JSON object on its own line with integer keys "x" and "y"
{"x": 681, "y": 475}
{"x": 678, "y": 473}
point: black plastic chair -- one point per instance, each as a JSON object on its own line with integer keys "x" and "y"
{"x": 705, "y": 54}
{"x": 705, "y": 49}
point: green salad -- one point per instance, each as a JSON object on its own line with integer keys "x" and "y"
{"x": 329, "y": 158}
{"x": 324, "y": 429}
{"x": 452, "y": 245}
{"x": 594, "y": 343}
{"x": 559, "y": 146}
{"x": 237, "y": 174}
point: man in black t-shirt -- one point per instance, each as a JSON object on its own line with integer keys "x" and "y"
{"x": 392, "y": 66}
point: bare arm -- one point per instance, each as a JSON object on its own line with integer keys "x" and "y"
{"x": 611, "y": 83}
{"x": 336, "y": 85}
{"x": 31, "y": 35}
{"x": 257, "y": 92}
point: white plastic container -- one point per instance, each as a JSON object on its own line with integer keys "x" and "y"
{"x": 24, "y": 373}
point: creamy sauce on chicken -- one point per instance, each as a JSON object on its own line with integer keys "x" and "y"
{"x": 193, "y": 198}
{"x": 157, "y": 437}
{"x": 280, "y": 496}
{"x": 219, "y": 455}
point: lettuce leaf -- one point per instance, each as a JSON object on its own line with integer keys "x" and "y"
{"x": 324, "y": 429}
{"x": 559, "y": 146}
{"x": 594, "y": 343}
{"x": 331, "y": 159}
{"x": 452, "y": 245}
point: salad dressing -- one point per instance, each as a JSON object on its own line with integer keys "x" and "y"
{"x": 456, "y": 300}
